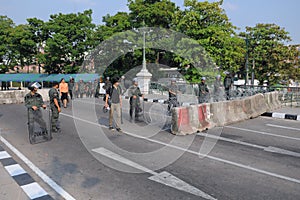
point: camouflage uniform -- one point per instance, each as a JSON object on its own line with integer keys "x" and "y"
{"x": 173, "y": 102}
{"x": 34, "y": 115}
{"x": 218, "y": 90}
{"x": 53, "y": 94}
{"x": 81, "y": 88}
{"x": 227, "y": 84}
{"x": 134, "y": 103}
{"x": 203, "y": 92}
{"x": 90, "y": 89}
{"x": 71, "y": 85}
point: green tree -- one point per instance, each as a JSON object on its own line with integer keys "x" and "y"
{"x": 208, "y": 24}
{"x": 268, "y": 53}
{"x": 112, "y": 24}
{"x": 6, "y": 56}
{"x": 158, "y": 13}
{"x": 152, "y": 13}
{"x": 23, "y": 45}
{"x": 40, "y": 35}
{"x": 70, "y": 38}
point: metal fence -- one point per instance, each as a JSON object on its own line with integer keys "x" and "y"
{"x": 289, "y": 96}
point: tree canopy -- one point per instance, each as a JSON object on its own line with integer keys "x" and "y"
{"x": 61, "y": 44}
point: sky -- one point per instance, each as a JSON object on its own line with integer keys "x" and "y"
{"x": 241, "y": 13}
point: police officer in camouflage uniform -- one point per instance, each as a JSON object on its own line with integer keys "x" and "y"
{"x": 71, "y": 85}
{"x": 134, "y": 93}
{"x": 173, "y": 91}
{"x": 81, "y": 88}
{"x": 55, "y": 106}
{"x": 34, "y": 102}
{"x": 203, "y": 92}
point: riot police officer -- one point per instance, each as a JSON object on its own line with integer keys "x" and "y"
{"x": 34, "y": 102}
{"x": 134, "y": 93}
{"x": 173, "y": 92}
{"x": 55, "y": 106}
{"x": 203, "y": 91}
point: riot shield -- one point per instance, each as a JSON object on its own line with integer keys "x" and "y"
{"x": 38, "y": 128}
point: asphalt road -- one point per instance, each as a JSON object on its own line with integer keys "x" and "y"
{"x": 254, "y": 159}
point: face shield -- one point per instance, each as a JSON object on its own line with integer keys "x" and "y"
{"x": 36, "y": 85}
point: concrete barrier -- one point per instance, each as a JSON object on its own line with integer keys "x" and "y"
{"x": 257, "y": 105}
{"x": 272, "y": 101}
{"x": 17, "y": 96}
{"x": 182, "y": 120}
{"x": 188, "y": 120}
{"x": 204, "y": 116}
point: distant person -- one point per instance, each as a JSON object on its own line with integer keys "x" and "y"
{"x": 34, "y": 102}
{"x": 227, "y": 85}
{"x": 90, "y": 89}
{"x": 81, "y": 88}
{"x": 64, "y": 89}
{"x": 76, "y": 90}
{"x": 71, "y": 85}
{"x": 203, "y": 92}
{"x": 218, "y": 89}
{"x": 122, "y": 84}
{"x": 107, "y": 83}
{"x": 4, "y": 85}
{"x": 97, "y": 88}
{"x": 134, "y": 94}
{"x": 55, "y": 106}
{"x": 173, "y": 92}
{"x": 113, "y": 94}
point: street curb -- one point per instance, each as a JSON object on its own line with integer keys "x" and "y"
{"x": 282, "y": 116}
{"x": 31, "y": 188}
{"x": 161, "y": 101}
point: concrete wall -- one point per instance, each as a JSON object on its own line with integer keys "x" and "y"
{"x": 190, "y": 119}
{"x": 17, "y": 96}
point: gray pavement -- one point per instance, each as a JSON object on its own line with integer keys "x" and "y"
{"x": 248, "y": 162}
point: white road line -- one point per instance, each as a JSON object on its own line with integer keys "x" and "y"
{"x": 35, "y": 169}
{"x": 283, "y": 127}
{"x": 230, "y": 140}
{"x": 121, "y": 159}
{"x": 282, "y": 151}
{"x": 164, "y": 178}
{"x": 202, "y": 155}
{"x": 103, "y": 126}
{"x": 267, "y": 149}
{"x": 126, "y": 109}
{"x": 263, "y": 133}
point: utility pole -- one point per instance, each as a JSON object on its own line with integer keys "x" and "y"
{"x": 252, "y": 72}
{"x": 246, "y": 64}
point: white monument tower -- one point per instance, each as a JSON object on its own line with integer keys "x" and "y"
{"x": 144, "y": 76}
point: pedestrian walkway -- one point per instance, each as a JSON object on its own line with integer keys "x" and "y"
{"x": 16, "y": 183}
{"x": 9, "y": 188}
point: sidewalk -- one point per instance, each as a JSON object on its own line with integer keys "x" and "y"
{"x": 9, "y": 188}
{"x": 289, "y": 110}
{"x": 16, "y": 183}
